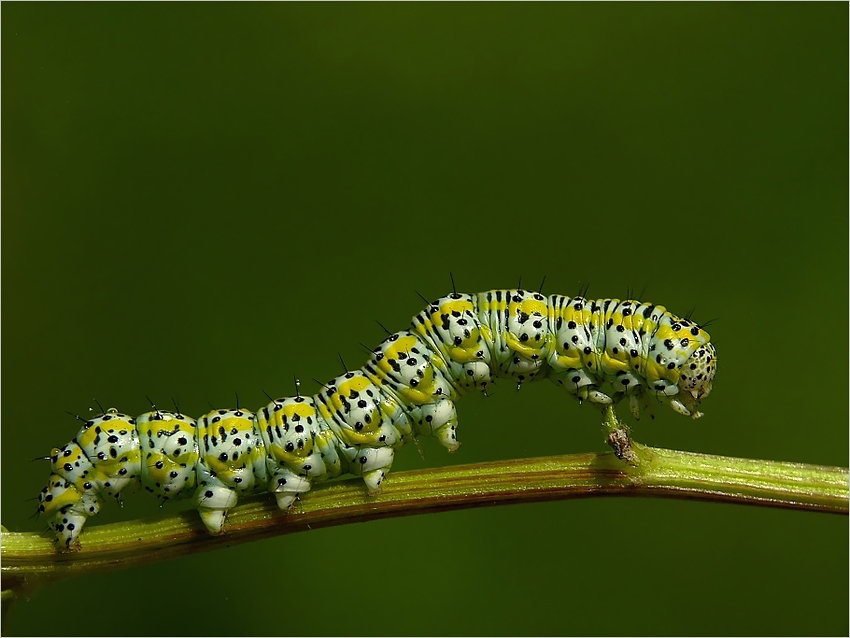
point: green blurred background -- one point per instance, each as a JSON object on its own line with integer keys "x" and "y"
{"x": 200, "y": 199}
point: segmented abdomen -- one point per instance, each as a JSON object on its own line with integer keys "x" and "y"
{"x": 600, "y": 351}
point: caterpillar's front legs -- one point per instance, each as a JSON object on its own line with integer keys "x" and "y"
{"x": 681, "y": 401}
{"x": 681, "y": 407}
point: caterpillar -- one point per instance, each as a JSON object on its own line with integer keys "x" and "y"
{"x": 601, "y": 351}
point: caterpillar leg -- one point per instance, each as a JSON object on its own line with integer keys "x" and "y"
{"x": 372, "y": 465}
{"x": 213, "y": 501}
{"x": 679, "y": 406}
{"x": 447, "y": 435}
{"x": 287, "y": 486}
{"x": 681, "y": 401}
{"x": 374, "y": 480}
{"x": 639, "y": 404}
{"x": 589, "y": 393}
{"x": 579, "y": 383}
{"x": 438, "y": 419}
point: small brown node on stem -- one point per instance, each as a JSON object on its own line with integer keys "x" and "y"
{"x": 621, "y": 443}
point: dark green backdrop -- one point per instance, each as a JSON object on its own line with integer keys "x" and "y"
{"x": 207, "y": 198}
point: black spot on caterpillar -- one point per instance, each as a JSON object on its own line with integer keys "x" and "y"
{"x": 601, "y": 351}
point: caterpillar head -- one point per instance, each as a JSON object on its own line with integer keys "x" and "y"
{"x": 695, "y": 380}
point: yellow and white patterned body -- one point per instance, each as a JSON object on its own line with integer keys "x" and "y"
{"x": 231, "y": 463}
{"x": 600, "y": 351}
{"x": 169, "y": 453}
{"x": 300, "y": 447}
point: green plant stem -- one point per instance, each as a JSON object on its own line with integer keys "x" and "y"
{"x": 29, "y": 560}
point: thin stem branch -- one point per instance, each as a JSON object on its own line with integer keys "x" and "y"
{"x": 29, "y": 560}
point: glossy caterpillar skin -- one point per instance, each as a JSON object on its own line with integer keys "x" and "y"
{"x": 598, "y": 350}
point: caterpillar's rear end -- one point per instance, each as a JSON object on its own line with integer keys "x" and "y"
{"x": 600, "y": 351}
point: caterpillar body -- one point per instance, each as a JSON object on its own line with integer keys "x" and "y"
{"x": 600, "y": 351}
